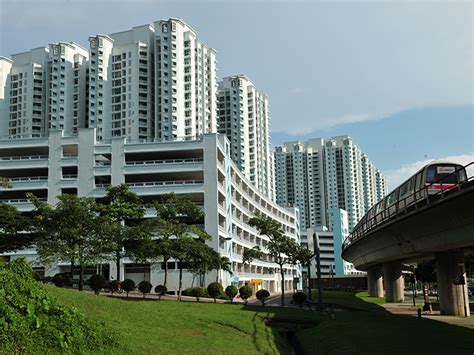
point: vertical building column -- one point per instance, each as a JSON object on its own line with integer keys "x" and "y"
{"x": 393, "y": 282}
{"x": 375, "y": 281}
{"x": 451, "y": 277}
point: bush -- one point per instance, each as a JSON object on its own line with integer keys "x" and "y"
{"x": 112, "y": 286}
{"x": 245, "y": 293}
{"x": 161, "y": 290}
{"x": 128, "y": 285}
{"x": 97, "y": 282}
{"x": 231, "y": 292}
{"x": 62, "y": 279}
{"x": 299, "y": 298}
{"x": 145, "y": 287}
{"x": 262, "y": 295}
{"x": 198, "y": 292}
{"x": 32, "y": 322}
{"x": 36, "y": 276}
{"x": 215, "y": 290}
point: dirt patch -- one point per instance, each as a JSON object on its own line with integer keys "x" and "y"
{"x": 228, "y": 328}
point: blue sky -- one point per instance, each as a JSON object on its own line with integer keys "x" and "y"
{"x": 395, "y": 75}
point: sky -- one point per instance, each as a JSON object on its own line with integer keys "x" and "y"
{"x": 397, "y": 76}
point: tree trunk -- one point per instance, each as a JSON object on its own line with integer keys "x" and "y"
{"x": 117, "y": 263}
{"x": 81, "y": 277}
{"x": 165, "y": 281}
{"x": 180, "y": 282}
{"x": 72, "y": 270}
{"x": 217, "y": 276}
{"x": 282, "y": 273}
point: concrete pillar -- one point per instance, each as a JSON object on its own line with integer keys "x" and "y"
{"x": 393, "y": 282}
{"x": 453, "y": 299}
{"x": 375, "y": 281}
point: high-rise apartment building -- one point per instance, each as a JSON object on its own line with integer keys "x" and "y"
{"x": 323, "y": 174}
{"x": 153, "y": 82}
{"x": 244, "y": 117}
{"x": 186, "y": 84}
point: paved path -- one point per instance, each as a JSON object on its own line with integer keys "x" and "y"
{"x": 404, "y": 309}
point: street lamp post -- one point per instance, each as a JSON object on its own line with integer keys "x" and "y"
{"x": 318, "y": 269}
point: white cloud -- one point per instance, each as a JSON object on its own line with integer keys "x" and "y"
{"x": 397, "y": 176}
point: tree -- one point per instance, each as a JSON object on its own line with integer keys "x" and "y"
{"x": 128, "y": 285}
{"x": 189, "y": 252}
{"x": 281, "y": 248}
{"x": 123, "y": 210}
{"x": 175, "y": 218}
{"x": 250, "y": 255}
{"x": 15, "y": 230}
{"x": 97, "y": 282}
{"x": 215, "y": 290}
{"x": 231, "y": 292}
{"x": 245, "y": 293}
{"x": 299, "y": 298}
{"x": 71, "y": 231}
{"x": 145, "y": 287}
{"x": 222, "y": 263}
{"x": 262, "y": 295}
{"x": 161, "y": 291}
{"x": 198, "y": 292}
{"x": 4, "y": 182}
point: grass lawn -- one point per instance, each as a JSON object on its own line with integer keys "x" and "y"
{"x": 353, "y": 332}
{"x": 359, "y": 300}
{"x": 170, "y": 327}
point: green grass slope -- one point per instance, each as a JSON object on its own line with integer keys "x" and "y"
{"x": 170, "y": 327}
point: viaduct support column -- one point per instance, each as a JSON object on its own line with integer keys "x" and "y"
{"x": 393, "y": 282}
{"x": 453, "y": 299}
{"x": 375, "y": 281}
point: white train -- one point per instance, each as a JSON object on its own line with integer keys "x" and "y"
{"x": 435, "y": 178}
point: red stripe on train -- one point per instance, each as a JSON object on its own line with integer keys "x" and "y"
{"x": 439, "y": 186}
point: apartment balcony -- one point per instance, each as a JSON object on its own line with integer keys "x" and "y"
{"x": 22, "y": 204}
{"x": 23, "y": 162}
{"x": 164, "y": 187}
{"x": 27, "y": 183}
{"x": 164, "y": 166}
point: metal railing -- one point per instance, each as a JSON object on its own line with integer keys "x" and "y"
{"x": 160, "y": 162}
{"x": 25, "y": 157}
{"x": 21, "y": 200}
{"x": 420, "y": 198}
{"x": 164, "y": 183}
{"x": 28, "y": 178}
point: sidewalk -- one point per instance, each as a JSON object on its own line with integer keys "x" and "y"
{"x": 404, "y": 309}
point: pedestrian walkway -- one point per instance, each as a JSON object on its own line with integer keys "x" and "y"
{"x": 404, "y": 309}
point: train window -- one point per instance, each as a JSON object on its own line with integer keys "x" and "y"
{"x": 419, "y": 181}
{"x": 391, "y": 198}
{"x": 441, "y": 173}
{"x": 462, "y": 175}
{"x": 404, "y": 188}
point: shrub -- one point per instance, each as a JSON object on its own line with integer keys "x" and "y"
{"x": 32, "y": 322}
{"x": 112, "y": 286}
{"x": 36, "y": 276}
{"x": 299, "y": 298}
{"x": 62, "y": 280}
{"x": 245, "y": 293}
{"x": 215, "y": 290}
{"x": 161, "y": 290}
{"x": 231, "y": 292}
{"x": 97, "y": 282}
{"x": 145, "y": 287}
{"x": 128, "y": 285}
{"x": 198, "y": 292}
{"x": 262, "y": 295}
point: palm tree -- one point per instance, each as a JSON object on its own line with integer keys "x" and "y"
{"x": 223, "y": 263}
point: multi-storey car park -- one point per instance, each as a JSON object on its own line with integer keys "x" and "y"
{"x": 201, "y": 168}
